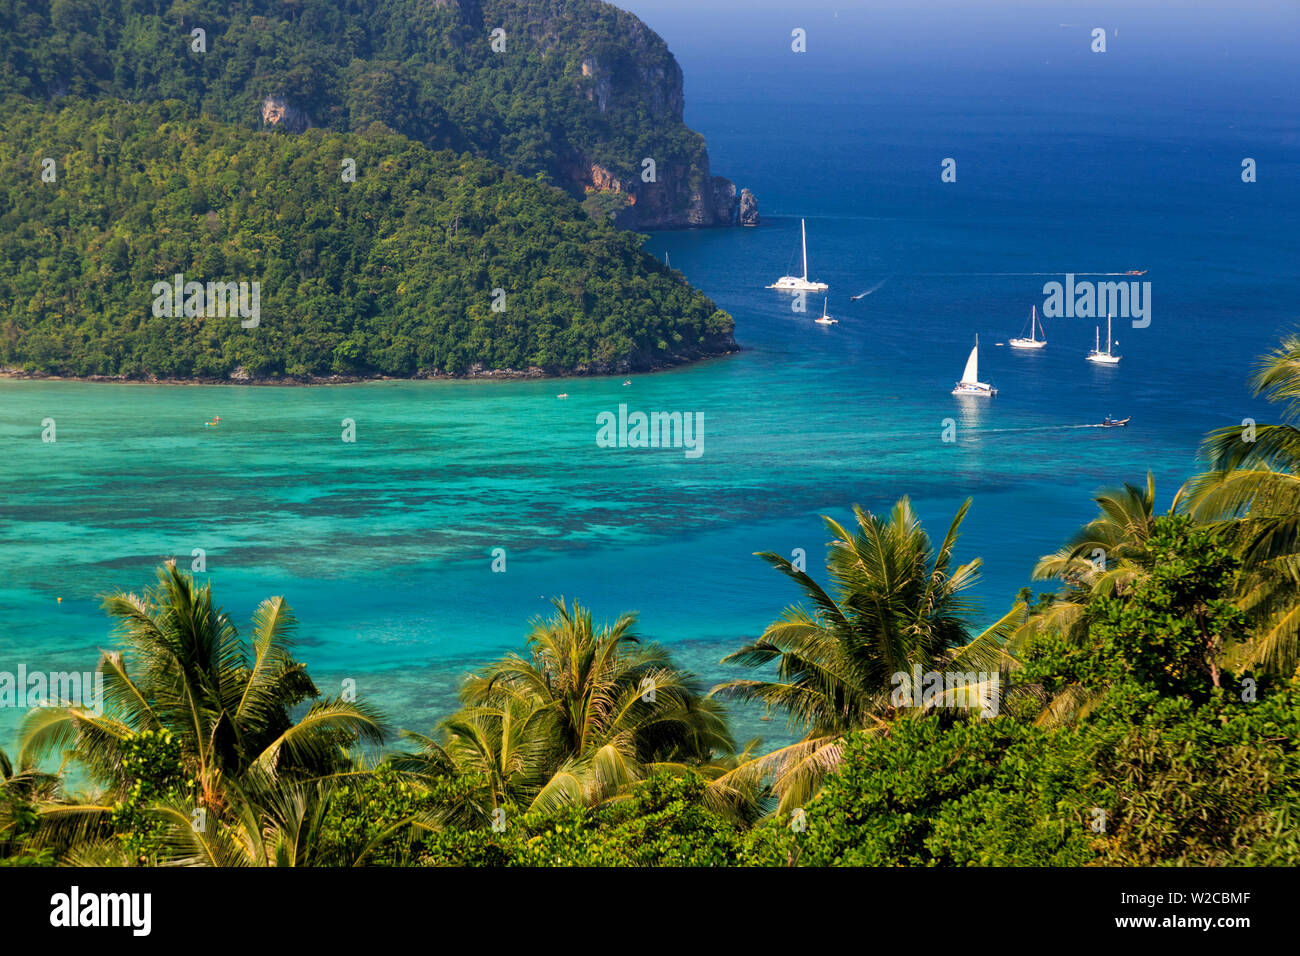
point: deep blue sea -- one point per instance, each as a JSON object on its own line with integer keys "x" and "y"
{"x": 1067, "y": 162}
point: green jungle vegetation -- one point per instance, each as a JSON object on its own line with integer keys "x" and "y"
{"x": 392, "y": 274}
{"x": 1149, "y": 714}
{"x": 424, "y": 69}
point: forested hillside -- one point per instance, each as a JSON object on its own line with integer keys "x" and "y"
{"x": 392, "y": 274}
{"x": 576, "y": 90}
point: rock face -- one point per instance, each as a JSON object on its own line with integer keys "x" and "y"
{"x": 725, "y": 202}
{"x": 682, "y": 196}
{"x": 280, "y": 113}
{"x": 637, "y": 78}
{"x": 625, "y": 151}
{"x": 748, "y": 208}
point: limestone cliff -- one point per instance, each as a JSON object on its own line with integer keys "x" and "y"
{"x": 634, "y": 141}
{"x": 278, "y": 112}
{"x": 577, "y": 92}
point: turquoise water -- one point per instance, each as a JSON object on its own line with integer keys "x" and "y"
{"x": 384, "y": 547}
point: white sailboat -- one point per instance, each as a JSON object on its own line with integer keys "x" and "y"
{"x": 1107, "y": 357}
{"x": 1033, "y": 342}
{"x": 970, "y": 383}
{"x": 800, "y": 283}
{"x": 826, "y": 319}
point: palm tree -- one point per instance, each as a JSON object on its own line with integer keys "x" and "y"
{"x": 27, "y": 782}
{"x": 22, "y": 791}
{"x": 185, "y": 670}
{"x": 589, "y": 712}
{"x": 502, "y": 743}
{"x": 1251, "y": 492}
{"x": 267, "y": 821}
{"x": 275, "y": 822}
{"x": 896, "y": 603}
{"x": 1104, "y": 557}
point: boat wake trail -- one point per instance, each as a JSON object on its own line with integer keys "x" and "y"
{"x": 863, "y": 295}
{"x": 1029, "y": 428}
{"x": 944, "y": 275}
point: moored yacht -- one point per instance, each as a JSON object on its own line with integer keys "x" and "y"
{"x": 800, "y": 283}
{"x": 1107, "y": 357}
{"x": 1033, "y": 342}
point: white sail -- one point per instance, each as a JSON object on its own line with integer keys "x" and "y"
{"x": 803, "y": 229}
{"x": 970, "y": 383}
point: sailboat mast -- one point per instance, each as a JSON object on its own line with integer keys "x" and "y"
{"x": 1107, "y": 333}
{"x": 803, "y": 228}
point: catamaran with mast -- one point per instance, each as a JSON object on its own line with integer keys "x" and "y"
{"x": 1033, "y": 342}
{"x": 826, "y": 319}
{"x": 1107, "y": 357}
{"x": 970, "y": 383}
{"x": 800, "y": 283}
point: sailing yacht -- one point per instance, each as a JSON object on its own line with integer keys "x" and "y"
{"x": 1107, "y": 357}
{"x": 826, "y": 319}
{"x": 970, "y": 383}
{"x": 1033, "y": 342}
{"x": 800, "y": 283}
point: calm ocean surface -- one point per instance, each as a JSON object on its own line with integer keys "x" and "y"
{"x": 383, "y": 547}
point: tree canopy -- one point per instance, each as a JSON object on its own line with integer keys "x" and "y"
{"x": 428, "y": 262}
{"x": 571, "y": 81}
